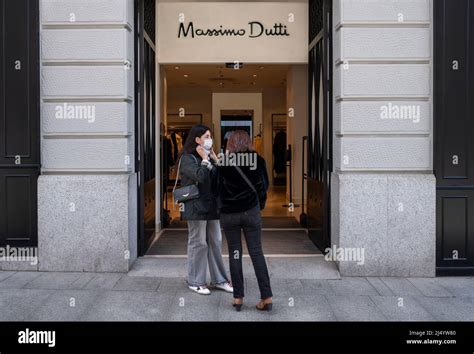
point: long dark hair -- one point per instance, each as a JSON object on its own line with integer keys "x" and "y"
{"x": 190, "y": 144}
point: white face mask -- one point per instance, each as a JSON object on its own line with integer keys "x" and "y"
{"x": 208, "y": 144}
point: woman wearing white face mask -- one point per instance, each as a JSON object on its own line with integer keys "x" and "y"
{"x": 198, "y": 166}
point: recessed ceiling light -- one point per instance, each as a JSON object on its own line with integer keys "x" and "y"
{"x": 176, "y": 67}
{"x": 186, "y": 75}
{"x": 254, "y": 75}
{"x": 262, "y": 67}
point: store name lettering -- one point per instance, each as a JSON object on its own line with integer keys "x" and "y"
{"x": 255, "y": 30}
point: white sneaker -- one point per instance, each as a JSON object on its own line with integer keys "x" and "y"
{"x": 200, "y": 290}
{"x": 227, "y": 287}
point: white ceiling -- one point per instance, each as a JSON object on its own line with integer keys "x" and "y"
{"x": 219, "y": 77}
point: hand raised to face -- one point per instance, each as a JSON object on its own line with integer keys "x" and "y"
{"x": 202, "y": 152}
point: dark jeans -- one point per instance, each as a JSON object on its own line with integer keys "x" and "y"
{"x": 251, "y": 222}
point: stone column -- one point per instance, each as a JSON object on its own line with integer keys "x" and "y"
{"x": 87, "y": 190}
{"x": 383, "y": 187}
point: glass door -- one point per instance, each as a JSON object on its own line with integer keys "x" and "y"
{"x": 319, "y": 145}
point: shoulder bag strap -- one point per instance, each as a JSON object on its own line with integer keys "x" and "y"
{"x": 246, "y": 179}
{"x": 177, "y": 173}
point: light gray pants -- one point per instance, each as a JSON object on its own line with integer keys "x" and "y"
{"x": 205, "y": 246}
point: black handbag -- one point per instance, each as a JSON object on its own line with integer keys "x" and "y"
{"x": 184, "y": 194}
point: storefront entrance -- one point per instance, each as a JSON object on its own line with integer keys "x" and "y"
{"x": 226, "y": 99}
{"x": 267, "y": 99}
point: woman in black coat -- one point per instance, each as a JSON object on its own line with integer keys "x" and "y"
{"x": 242, "y": 186}
{"x": 198, "y": 166}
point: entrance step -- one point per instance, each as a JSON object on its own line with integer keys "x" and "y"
{"x": 288, "y": 267}
{"x": 276, "y": 242}
{"x": 268, "y": 222}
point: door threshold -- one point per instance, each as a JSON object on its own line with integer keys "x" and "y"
{"x": 264, "y": 229}
{"x": 244, "y": 256}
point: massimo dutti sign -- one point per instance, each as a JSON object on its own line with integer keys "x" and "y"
{"x": 217, "y": 32}
{"x": 255, "y": 29}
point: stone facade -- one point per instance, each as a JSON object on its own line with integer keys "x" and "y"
{"x": 383, "y": 186}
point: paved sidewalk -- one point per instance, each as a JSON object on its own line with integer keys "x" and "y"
{"x": 33, "y": 296}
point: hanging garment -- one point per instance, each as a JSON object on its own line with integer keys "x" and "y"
{"x": 258, "y": 144}
{"x": 279, "y": 152}
{"x": 179, "y": 142}
{"x": 184, "y": 135}
{"x": 171, "y": 151}
{"x": 174, "y": 141}
{"x": 167, "y": 161}
{"x": 167, "y": 155}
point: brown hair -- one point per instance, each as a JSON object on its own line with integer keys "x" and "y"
{"x": 239, "y": 141}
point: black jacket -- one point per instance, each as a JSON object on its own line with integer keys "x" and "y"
{"x": 235, "y": 195}
{"x": 205, "y": 207}
{"x": 279, "y": 152}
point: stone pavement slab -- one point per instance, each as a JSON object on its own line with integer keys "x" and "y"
{"x": 33, "y": 296}
{"x": 355, "y": 308}
{"x": 65, "y": 305}
{"x": 380, "y": 286}
{"x": 171, "y": 285}
{"x": 314, "y": 267}
{"x": 300, "y": 308}
{"x": 430, "y": 287}
{"x": 401, "y": 286}
{"x": 20, "y": 304}
{"x": 4, "y": 275}
{"x": 128, "y": 306}
{"x": 317, "y": 287}
{"x": 186, "y": 305}
{"x": 53, "y": 281}
{"x": 103, "y": 281}
{"x": 398, "y": 308}
{"x": 159, "y": 267}
{"x": 303, "y": 308}
{"x": 448, "y": 308}
{"x": 82, "y": 281}
{"x": 352, "y": 286}
{"x": 458, "y": 286}
{"x": 137, "y": 284}
{"x": 18, "y": 280}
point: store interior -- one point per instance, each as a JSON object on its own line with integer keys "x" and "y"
{"x": 225, "y": 97}
{"x": 190, "y": 94}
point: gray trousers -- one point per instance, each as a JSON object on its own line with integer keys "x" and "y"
{"x": 205, "y": 246}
